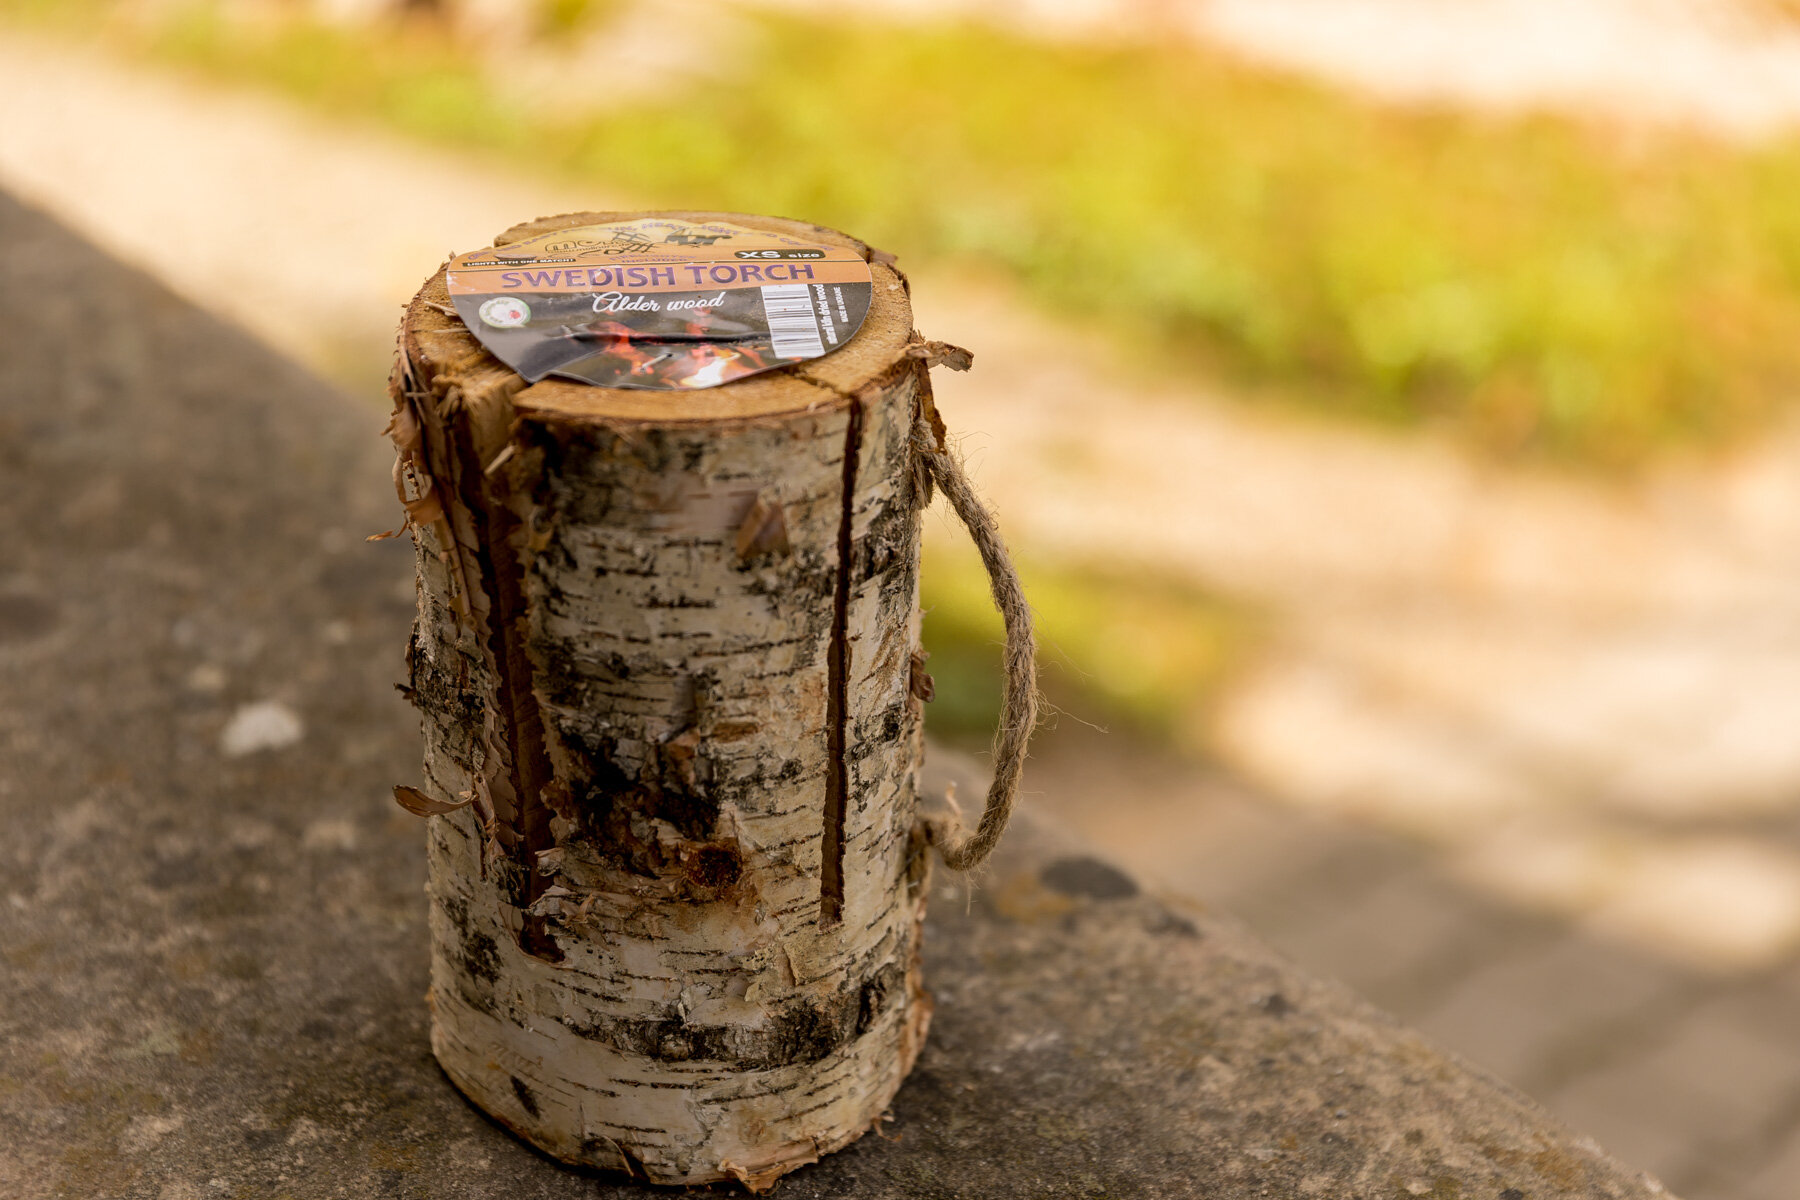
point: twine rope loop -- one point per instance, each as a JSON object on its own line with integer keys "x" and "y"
{"x": 961, "y": 848}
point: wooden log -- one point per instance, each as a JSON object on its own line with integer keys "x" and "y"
{"x": 665, "y": 656}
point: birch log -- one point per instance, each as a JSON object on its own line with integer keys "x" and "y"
{"x": 665, "y": 654}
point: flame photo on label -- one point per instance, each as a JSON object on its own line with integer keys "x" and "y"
{"x": 660, "y": 303}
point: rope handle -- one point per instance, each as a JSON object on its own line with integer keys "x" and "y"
{"x": 961, "y": 848}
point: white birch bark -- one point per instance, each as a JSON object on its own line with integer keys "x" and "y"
{"x": 665, "y": 649}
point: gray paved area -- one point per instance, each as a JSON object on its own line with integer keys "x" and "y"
{"x": 212, "y": 955}
{"x": 1695, "y": 1075}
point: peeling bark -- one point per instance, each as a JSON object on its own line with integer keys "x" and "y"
{"x": 665, "y": 657}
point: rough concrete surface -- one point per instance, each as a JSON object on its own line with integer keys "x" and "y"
{"x": 1641, "y": 1052}
{"x": 213, "y": 936}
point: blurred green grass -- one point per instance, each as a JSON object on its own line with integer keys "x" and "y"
{"x": 1535, "y": 285}
{"x": 1118, "y": 649}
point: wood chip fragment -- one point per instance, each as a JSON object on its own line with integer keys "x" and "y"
{"x": 763, "y": 531}
{"x": 942, "y": 353}
{"x": 919, "y": 682}
{"x": 500, "y": 459}
{"x": 419, "y": 804}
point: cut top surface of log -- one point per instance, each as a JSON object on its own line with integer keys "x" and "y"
{"x": 436, "y": 337}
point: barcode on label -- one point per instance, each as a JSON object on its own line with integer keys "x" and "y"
{"x": 793, "y": 327}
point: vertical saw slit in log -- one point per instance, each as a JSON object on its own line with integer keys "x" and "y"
{"x": 521, "y": 727}
{"x": 837, "y": 780}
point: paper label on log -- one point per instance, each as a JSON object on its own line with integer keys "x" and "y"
{"x": 660, "y": 303}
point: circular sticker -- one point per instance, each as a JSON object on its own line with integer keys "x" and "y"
{"x": 661, "y": 303}
{"x": 505, "y": 312}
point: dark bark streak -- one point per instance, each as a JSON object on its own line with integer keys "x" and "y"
{"x": 807, "y": 1030}
{"x": 837, "y": 712}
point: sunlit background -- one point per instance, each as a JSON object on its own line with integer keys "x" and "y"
{"x": 1392, "y": 403}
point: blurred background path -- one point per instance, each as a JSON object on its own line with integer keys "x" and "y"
{"x": 1511, "y": 750}
{"x": 1720, "y": 64}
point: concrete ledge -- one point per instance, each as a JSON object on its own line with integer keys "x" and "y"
{"x": 212, "y": 928}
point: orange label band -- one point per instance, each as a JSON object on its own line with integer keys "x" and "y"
{"x": 678, "y": 277}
